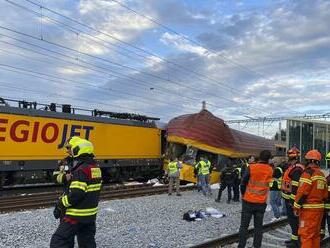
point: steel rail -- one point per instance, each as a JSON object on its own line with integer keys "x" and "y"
{"x": 234, "y": 238}
{"x": 43, "y": 201}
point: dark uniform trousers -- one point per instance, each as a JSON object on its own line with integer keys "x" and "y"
{"x": 85, "y": 233}
{"x": 257, "y": 210}
{"x": 223, "y": 186}
{"x": 236, "y": 189}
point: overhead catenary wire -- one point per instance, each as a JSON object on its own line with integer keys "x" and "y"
{"x": 95, "y": 57}
{"x": 55, "y": 79}
{"x": 134, "y": 46}
{"x": 105, "y": 70}
{"x": 46, "y": 93}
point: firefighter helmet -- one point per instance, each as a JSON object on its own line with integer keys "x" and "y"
{"x": 313, "y": 155}
{"x": 78, "y": 146}
{"x": 293, "y": 152}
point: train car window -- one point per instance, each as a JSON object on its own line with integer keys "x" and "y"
{"x": 175, "y": 150}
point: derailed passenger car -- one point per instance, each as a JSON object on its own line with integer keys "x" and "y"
{"x": 202, "y": 134}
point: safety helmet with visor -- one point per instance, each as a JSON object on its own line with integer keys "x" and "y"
{"x": 77, "y": 146}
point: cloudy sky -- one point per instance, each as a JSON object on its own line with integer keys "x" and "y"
{"x": 163, "y": 58}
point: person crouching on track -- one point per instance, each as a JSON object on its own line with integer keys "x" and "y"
{"x": 255, "y": 186}
{"x": 290, "y": 182}
{"x": 174, "y": 167}
{"x": 80, "y": 203}
{"x": 309, "y": 201}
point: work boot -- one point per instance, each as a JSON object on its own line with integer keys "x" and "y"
{"x": 169, "y": 193}
{"x": 178, "y": 194}
{"x": 217, "y": 200}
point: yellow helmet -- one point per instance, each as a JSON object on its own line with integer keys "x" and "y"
{"x": 78, "y": 146}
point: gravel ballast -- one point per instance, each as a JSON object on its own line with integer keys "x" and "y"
{"x": 150, "y": 221}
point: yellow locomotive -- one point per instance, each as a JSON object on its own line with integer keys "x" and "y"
{"x": 31, "y": 143}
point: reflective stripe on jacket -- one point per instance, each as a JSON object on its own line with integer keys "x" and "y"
{"x": 82, "y": 200}
{"x": 290, "y": 181}
{"x": 258, "y": 186}
{"x": 312, "y": 190}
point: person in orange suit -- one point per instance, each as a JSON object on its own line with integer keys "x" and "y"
{"x": 290, "y": 183}
{"x": 309, "y": 201}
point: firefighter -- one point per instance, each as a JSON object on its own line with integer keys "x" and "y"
{"x": 326, "y": 216}
{"x": 290, "y": 182}
{"x": 309, "y": 201}
{"x": 80, "y": 203}
{"x": 255, "y": 186}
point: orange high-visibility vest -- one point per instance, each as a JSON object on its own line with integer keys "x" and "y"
{"x": 287, "y": 181}
{"x": 258, "y": 186}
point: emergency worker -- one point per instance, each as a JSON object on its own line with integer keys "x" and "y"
{"x": 255, "y": 187}
{"x": 275, "y": 190}
{"x": 326, "y": 216}
{"x": 80, "y": 203}
{"x": 290, "y": 184}
{"x": 227, "y": 181}
{"x": 203, "y": 167}
{"x": 237, "y": 182}
{"x": 174, "y": 176}
{"x": 309, "y": 201}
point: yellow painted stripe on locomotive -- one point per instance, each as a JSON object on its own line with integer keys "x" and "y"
{"x": 37, "y": 138}
{"x": 199, "y": 145}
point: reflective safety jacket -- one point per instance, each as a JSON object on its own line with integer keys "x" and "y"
{"x": 276, "y": 182}
{"x": 84, "y": 191}
{"x": 327, "y": 203}
{"x": 257, "y": 188}
{"x": 290, "y": 181}
{"x": 313, "y": 189}
{"x": 173, "y": 167}
{"x": 203, "y": 167}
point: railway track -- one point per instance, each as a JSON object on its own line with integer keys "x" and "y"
{"x": 274, "y": 235}
{"x": 48, "y": 199}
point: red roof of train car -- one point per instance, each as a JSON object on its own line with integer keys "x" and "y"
{"x": 208, "y": 132}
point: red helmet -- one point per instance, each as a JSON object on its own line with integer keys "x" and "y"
{"x": 313, "y": 155}
{"x": 293, "y": 152}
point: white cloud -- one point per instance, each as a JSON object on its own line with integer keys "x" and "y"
{"x": 180, "y": 43}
